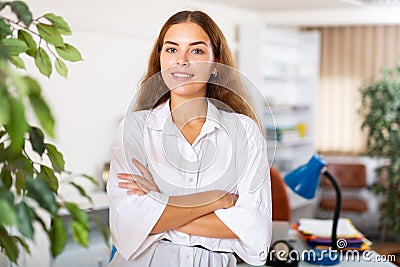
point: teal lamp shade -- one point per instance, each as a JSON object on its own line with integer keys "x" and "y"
{"x": 305, "y": 179}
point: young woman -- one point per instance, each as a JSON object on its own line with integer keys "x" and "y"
{"x": 188, "y": 183}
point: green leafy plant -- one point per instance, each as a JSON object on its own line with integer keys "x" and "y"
{"x": 381, "y": 120}
{"x": 30, "y": 167}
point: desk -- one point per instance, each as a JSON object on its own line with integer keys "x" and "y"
{"x": 371, "y": 259}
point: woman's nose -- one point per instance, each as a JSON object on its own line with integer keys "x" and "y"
{"x": 182, "y": 59}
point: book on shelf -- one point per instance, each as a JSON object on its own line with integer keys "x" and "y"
{"x": 286, "y": 134}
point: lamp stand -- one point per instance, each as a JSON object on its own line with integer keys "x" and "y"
{"x": 334, "y": 257}
{"x": 338, "y": 207}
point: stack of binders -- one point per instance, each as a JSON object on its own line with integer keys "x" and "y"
{"x": 317, "y": 234}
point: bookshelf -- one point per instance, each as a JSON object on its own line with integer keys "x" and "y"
{"x": 284, "y": 64}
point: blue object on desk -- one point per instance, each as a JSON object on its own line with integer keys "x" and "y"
{"x": 322, "y": 257}
{"x": 113, "y": 251}
{"x": 304, "y": 181}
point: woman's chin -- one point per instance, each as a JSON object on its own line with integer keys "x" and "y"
{"x": 189, "y": 91}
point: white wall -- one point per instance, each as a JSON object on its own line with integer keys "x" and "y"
{"x": 115, "y": 38}
{"x": 337, "y": 16}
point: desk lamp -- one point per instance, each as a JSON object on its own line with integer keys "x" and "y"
{"x": 304, "y": 181}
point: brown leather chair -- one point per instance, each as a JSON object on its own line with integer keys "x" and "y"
{"x": 280, "y": 199}
{"x": 352, "y": 180}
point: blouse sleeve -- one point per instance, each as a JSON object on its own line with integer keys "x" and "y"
{"x": 251, "y": 218}
{"x": 132, "y": 217}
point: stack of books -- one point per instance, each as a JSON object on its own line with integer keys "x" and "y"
{"x": 317, "y": 234}
{"x": 283, "y": 134}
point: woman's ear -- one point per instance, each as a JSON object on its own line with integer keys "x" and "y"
{"x": 214, "y": 72}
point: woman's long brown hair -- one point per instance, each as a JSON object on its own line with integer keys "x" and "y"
{"x": 153, "y": 91}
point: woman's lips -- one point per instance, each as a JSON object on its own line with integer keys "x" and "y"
{"x": 182, "y": 76}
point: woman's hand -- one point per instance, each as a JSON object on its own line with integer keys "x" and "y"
{"x": 229, "y": 200}
{"x": 136, "y": 184}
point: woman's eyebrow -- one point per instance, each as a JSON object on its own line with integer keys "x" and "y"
{"x": 191, "y": 44}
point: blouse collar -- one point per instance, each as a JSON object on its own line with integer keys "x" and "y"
{"x": 160, "y": 119}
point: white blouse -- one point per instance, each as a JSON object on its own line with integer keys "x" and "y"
{"x": 229, "y": 154}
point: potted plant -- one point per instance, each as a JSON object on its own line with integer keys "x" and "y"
{"x": 381, "y": 119}
{"x": 30, "y": 166}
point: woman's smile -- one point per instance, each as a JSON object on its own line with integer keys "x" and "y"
{"x": 182, "y": 76}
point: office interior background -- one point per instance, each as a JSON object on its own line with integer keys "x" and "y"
{"x": 348, "y": 41}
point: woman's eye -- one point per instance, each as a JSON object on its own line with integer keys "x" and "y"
{"x": 170, "y": 50}
{"x": 197, "y": 51}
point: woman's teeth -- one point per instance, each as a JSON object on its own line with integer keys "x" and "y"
{"x": 182, "y": 75}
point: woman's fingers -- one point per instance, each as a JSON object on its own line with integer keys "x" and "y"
{"x": 142, "y": 169}
{"x": 134, "y": 178}
{"x": 136, "y": 192}
{"x": 129, "y": 185}
{"x": 145, "y": 183}
{"x": 136, "y": 182}
{"x": 126, "y": 176}
{"x": 235, "y": 198}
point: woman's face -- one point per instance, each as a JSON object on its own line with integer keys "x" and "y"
{"x": 186, "y": 60}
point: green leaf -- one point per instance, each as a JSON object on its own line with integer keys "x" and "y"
{"x": 20, "y": 182}
{"x": 56, "y": 158}
{"x": 47, "y": 175}
{"x": 7, "y": 214}
{"x": 39, "y": 220}
{"x": 4, "y": 28}
{"x": 36, "y": 137}
{"x": 79, "y": 233}
{"x": 14, "y": 47}
{"x": 2, "y": 132}
{"x": 9, "y": 245}
{"x": 82, "y": 191}
{"x": 17, "y": 126}
{"x": 61, "y": 68}
{"x": 59, "y": 23}
{"x": 25, "y": 216}
{"x": 4, "y": 106}
{"x": 78, "y": 214}
{"x": 22, "y": 11}
{"x": 7, "y": 195}
{"x": 50, "y": 34}
{"x": 42, "y": 61}
{"x": 6, "y": 178}
{"x": 27, "y": 38}
{"x": 43, "y": 113}
{"x": 23, "y": 244}
{"x": 17, "y": 62}
{"x": 3, "y": 5}
{"x": 33, "y": 85}
{"x": 20, "y": 84}
{"x": 41, "y": 192}
{"x": 90, "y": 178}
{"x": 57, "y": 236}
{"x": 69, "y": 52}
{"x": 22, "y": 164}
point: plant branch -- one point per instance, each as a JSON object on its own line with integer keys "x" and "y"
{"x": 48, "y": 47}
{"x": 19, "y": 25}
